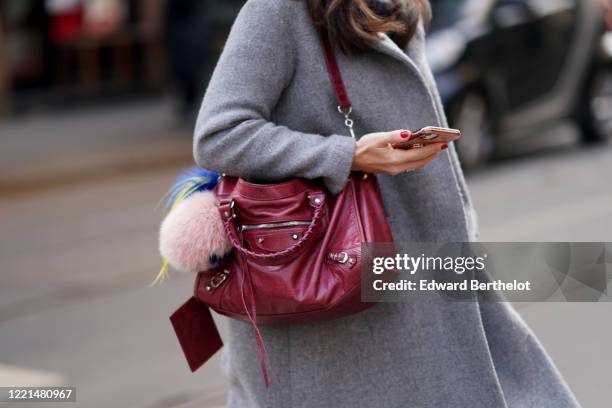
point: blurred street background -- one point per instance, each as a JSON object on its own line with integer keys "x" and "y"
{"x": 97, "y": 102}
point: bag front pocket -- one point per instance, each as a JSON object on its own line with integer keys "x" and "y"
{"x": 273, "y": 236}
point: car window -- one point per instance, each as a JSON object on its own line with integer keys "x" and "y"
{"x": 446, "y": 12}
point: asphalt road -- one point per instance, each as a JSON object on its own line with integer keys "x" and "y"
{"x": 75, "y": 262}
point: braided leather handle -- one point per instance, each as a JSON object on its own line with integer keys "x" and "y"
{"x": 230, "y": 229}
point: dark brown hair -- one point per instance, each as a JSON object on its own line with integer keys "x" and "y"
{"x": 352, "y": 25}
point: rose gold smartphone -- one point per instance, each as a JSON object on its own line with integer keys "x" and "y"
{"x": 429, "y": 135}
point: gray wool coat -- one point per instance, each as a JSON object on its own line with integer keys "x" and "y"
{"x": 269, "y": 114}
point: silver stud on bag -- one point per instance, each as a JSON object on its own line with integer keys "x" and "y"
{"x": 295, "y": 236}
{"x": 260, "y": 240}
{"x": 317, "y": 200}
{"x": 232, "y": 205}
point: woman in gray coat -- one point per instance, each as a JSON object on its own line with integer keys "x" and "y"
{"x": 269, "y": 114}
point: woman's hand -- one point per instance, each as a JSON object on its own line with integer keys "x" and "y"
{"x": 374, "y": 153}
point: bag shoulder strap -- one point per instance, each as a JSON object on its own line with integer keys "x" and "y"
{"x": 344, "y": 103}
{"x": 334, "y": 72}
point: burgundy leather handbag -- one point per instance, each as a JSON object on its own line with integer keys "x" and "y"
{"x": 297, "y": 252}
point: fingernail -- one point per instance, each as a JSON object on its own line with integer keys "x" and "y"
{"x": 444, "y": 147}
{"x": 405, "y": 134}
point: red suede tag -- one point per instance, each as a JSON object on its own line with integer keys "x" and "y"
{"x": 196, "y": 332}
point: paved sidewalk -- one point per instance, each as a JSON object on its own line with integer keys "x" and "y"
{"x": 72, "y": 146}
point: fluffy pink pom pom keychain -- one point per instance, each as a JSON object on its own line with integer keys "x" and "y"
{"x": 192, "y": 237}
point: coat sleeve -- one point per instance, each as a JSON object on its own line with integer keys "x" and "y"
{"x": 234, "y": 132}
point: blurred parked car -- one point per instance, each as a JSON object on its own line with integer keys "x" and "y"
{"x": 509, "y": 68}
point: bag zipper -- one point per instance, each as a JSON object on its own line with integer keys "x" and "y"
{"x": 269, "y": 225}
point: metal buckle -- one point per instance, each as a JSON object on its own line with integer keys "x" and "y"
{"x": 217, "y": 280}
{"x": 340, "y": 257}
{"x": 345, "y": 111}
{"x": 348, "y": 122}
{"x": 344, "y": 258}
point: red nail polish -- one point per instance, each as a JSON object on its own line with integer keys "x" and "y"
{"x": 444, "y": 147}
{"x": 405, "y": 134}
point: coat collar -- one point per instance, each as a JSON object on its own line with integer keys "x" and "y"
{"x": 387, "y": 46}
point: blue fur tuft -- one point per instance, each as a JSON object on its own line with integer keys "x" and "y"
{"x": 216, "y": 260}
{"x": 190, "y": 181}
